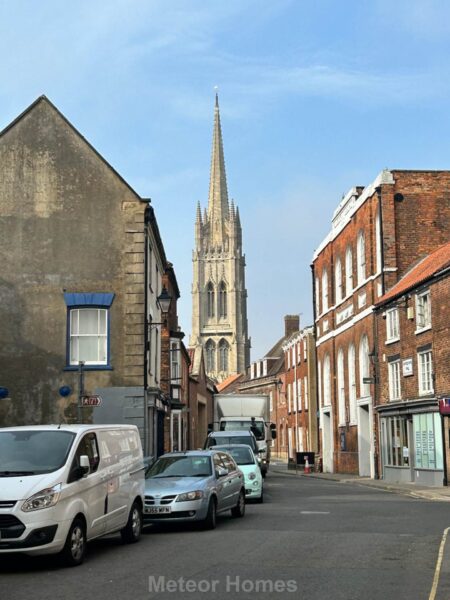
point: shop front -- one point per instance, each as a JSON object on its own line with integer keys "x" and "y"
{"x": 411, "y": 442}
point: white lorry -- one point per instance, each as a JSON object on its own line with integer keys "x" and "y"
{"x": 244, "y": 412}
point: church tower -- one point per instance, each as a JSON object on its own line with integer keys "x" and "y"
{"x": 219, "y": 296}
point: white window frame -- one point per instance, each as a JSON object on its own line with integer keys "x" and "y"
{"x": 299, "y": 386}
{"x": 364, "y": 366}
{"x": 423, "y": 311}
{"x": 289, "y": 397}
{"x": 305, "y": 393}
{"x": 338, "y": 280}
{"x": 324, "y": 290}
{"x": 348, "y": 271}
{"x": 361, "y": 257}
{"x": 317, "y": 296}
{"x": 394, "y": 376}
{"x": 102, "y": 336}
{"x": 351, "y": 369}
{"x": 425, "y": 371}
{"x": 327, "y": 381}
{"x": 392, "y": 325}
{"x": 175, "y": 374}
{"x": 341, "y": 386}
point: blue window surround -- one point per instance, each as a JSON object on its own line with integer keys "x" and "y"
{"x": 87, "y": 300}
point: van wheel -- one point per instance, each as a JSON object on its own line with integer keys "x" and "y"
{"x": 239, "y": 509}
{"x": 74, "y": 549}
{"x": 210, "y": 521}
{"x": 132, "y": 530}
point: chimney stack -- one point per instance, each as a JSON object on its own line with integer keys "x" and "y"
{"x": 291, "y": 324}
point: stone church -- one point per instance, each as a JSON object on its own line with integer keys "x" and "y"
{"x": 219, "y": 295}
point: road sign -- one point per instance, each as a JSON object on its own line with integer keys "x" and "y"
{"x": 92, "y": 400}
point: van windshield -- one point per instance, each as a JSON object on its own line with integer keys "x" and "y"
{"x": 31, "y": 452}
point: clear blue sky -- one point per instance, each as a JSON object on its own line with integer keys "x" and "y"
{"x": 316, "y": 96}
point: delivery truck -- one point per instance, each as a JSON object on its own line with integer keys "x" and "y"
{"x": 246, "y": 412}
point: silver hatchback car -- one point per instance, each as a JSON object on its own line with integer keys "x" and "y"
{"x": 193, "y": 486}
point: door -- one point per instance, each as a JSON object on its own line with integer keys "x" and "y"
{"x": 234, "y": 480}
{"x": 364, "y": 440}
{"x": 327, "y": 442}
{"x": 116, "y": 451}
{"x": 92, "y": 488}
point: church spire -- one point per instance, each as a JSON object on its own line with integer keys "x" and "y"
{"x": 218, "y": 208}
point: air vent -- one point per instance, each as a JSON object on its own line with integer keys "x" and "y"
{"x": 398, "y": 197}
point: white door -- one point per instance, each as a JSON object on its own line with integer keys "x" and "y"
{"x": 327, "y": 442}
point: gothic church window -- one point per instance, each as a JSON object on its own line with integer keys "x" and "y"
{"x": 223, "y": 355}
{"x": 211, "y": 300}
{"x": 223, "y": 309}
{"x": 210, "y": 356}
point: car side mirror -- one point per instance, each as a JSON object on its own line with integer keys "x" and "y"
{"x": 85, "y": 465}
{"x": 221, "y": 472}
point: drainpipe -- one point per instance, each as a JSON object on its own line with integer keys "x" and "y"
{"x": 146, "y": 327}
{"x": 381, "y": 241}
{"x": 316, "y": 361}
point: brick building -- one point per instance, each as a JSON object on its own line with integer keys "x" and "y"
{"x": 267, "y": 376}
{"x": 377, "y": 234}
{"x": 175, "y": 364}
{"x": 301, "y": 393}
{"x": 201, "y": 391}
{"x": 413, "y": 359}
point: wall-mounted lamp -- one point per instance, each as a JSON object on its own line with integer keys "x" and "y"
{"x": 164, "y": 300}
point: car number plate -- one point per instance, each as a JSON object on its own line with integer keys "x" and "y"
{"x": 157, "y": 510}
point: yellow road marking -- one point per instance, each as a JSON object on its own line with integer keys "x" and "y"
{"x": 437, "y": 571}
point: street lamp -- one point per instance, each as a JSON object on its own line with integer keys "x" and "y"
{"x": 164, "y": 300}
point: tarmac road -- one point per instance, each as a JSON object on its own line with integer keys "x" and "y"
{"x": 312, "y": 539}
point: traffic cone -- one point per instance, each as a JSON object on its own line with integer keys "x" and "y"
{"x": 307, "y": 468}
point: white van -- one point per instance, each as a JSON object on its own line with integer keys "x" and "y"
{"x": 63, "y": 485}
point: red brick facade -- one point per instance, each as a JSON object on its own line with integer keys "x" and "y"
{"x": 300, "y": 393}
{"x": 387, "y": 227}
{"x": 413, "y": 358}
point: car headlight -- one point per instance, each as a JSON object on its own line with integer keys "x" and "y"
{"x": 252, "y": 476}
{"x": 190, "y": 496}
{"x": 43, "y": 499}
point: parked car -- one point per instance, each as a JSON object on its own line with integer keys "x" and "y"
{"x": 225, "y": 438}
{"x": 63, "y": 485}
{"x": 193, "y": 486}
{"x": 247, "y": 462}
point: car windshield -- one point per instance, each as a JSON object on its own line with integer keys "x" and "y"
{"x": 256, "y": 427}
{"x": 242, "y": 456}
{"x": 31, "y": 452}
{"x": 181, "y": 466}
{"x": 234, "y": 439}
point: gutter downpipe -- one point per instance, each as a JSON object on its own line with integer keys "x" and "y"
{"x": 146, "y": 344}
{"x": 318, "y": 445}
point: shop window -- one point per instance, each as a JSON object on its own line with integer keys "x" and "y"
{"x": 396, "y": 446}
{"x": 428, "y": 441}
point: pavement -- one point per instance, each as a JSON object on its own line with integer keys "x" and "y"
{"x": 440, "y": 494}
